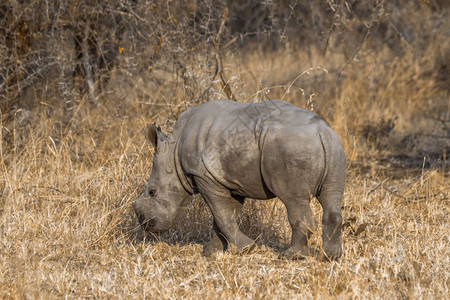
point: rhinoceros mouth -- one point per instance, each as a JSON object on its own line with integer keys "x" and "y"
{"x": 147, "y": 224}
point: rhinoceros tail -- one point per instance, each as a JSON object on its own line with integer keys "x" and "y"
{"x": 326, "y": 164}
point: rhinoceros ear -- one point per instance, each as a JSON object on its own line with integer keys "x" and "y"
{"x": 154, "y": 135}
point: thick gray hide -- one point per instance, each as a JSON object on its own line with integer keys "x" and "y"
{"x": 228, "y": 151}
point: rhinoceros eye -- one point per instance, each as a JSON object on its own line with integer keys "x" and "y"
{"x": 151, "y": 192}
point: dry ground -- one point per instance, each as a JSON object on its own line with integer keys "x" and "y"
{"x": 67, "y": 228}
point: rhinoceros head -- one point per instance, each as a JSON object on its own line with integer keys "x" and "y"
{"x": 164, "y": 199}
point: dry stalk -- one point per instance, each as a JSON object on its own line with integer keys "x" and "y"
{"x": 219, "y": 68}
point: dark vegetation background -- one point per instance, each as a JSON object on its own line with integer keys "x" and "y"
{"x": 60, "y": 57}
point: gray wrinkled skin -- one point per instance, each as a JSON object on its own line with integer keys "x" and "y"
{"x": 228, "y": 151}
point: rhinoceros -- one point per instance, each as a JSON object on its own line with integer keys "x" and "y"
{"x": 228, "y": 151}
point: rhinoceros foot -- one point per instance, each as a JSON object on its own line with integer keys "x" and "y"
{"x": 248, "y": 249}
{"x": 213, "y": 246}
{"x": 295, "y": 253}
{"x": 333, "y": 252}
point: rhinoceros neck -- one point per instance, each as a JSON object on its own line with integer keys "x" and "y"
{"x": 186, "y": 182}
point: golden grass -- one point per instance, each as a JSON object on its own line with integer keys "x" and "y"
{"x": 67, "y": 228}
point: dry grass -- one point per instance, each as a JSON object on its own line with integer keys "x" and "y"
{"x": 67, "y": 229}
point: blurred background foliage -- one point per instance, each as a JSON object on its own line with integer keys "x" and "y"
{"x": 60, "y": 58}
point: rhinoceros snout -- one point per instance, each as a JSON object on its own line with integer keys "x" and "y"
{"x": 141, "y": 211}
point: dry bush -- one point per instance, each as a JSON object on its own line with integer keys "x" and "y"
{"x": 73, "y": 156}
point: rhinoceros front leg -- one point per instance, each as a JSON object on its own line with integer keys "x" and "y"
{"x": 218, "y": 241}
{"x": 226, "y": 215}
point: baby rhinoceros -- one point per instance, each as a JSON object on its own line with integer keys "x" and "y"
{"x": 228, "y": 151}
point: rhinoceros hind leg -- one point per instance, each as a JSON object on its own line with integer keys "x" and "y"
{"x": 302, "y": 223}
{"x": 332, "y": 223}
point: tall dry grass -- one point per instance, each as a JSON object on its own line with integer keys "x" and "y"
{"x": 67, "y": 228}
{"x": 66, "y": 186}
